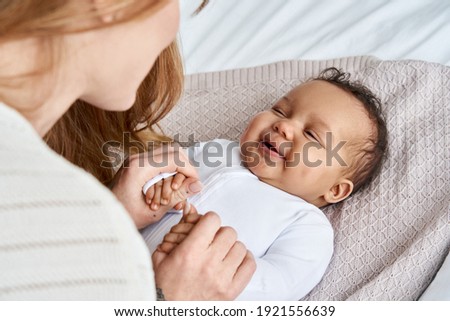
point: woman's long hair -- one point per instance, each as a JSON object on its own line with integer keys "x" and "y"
{"x": 83, "y": 132}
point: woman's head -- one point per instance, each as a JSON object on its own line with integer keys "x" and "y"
{"x": 109, "y": 45}
{"x": 33, "y": 18}
{"x": 125, "y": 54}
{"x": 84, "y": 133}
{"x": 81, "y": 133}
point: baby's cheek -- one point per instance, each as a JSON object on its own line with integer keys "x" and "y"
{"x": 313, "y": 156}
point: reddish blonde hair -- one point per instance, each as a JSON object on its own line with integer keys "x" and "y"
{"x": 47, "y": 21}
{"x": 83, "y": 130}
{"x": 81, "y": 134}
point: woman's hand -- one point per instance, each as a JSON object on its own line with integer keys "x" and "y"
{"x": 179, "y": 231}
{"x": 139, "y": 168}
{"x": 208, "y": 263}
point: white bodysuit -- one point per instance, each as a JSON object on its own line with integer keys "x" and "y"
{"x": 292, "y": 240}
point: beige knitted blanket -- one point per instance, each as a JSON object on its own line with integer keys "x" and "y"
{"x": 391, "y": 239}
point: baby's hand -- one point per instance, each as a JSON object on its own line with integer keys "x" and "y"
{"x": 160, "y": 194}
{"x": 179, "y": 232}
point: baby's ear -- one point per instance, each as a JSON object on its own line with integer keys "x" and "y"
{"x": 339, "y": 191}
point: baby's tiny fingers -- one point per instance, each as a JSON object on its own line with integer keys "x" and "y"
{"x": 167, "y": 247}
{"x": 192, "y": 216}
{"x": 179, "y": 206}
{"x": 174, "y": 238}
{"x": 182, "y": 228}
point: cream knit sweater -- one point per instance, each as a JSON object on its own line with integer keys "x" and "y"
{"x": 63, "y": 236}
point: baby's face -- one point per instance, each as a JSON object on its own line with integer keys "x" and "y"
{"x": 302, "y": 145}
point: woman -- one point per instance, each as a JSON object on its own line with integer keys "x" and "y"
{"x": 65, "y": 236}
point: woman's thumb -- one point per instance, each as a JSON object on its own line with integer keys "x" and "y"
{"x": 157, "y": 258}
{"x": 190, "y": 186}
{"x": 194, "y": 186}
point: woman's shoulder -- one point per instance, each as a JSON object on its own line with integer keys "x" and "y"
{"x": 52, "y": 211}
{"x": 35, "y": 171}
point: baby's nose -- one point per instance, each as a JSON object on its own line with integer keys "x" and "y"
{"x": 284, "y": 128}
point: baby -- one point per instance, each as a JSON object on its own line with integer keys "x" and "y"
{"x": 318, "y": 144}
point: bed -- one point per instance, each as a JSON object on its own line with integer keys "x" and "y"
{"x": 392, "y": 240}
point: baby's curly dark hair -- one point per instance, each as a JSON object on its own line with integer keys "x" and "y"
{"x": 369, "y": 155}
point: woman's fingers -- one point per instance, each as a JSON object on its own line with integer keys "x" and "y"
{"x": 243, "y": 275}
{"x": 189, "y": 187}
{"x": 203, "y": 233}
{"x": 236, "y": 254}
{"x": 177, "y": 181}
{"x": 178, "y": 161}
{"x": 206, "y": 253}
{"x": 137, "y": 170}
{"x": 224, "y": 240}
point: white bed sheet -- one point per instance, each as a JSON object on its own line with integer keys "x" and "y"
{"x": 230, "y": 34}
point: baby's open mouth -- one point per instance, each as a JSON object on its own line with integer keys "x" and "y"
{"x": 271, "y": 149}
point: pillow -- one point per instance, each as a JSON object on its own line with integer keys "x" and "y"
{"x": 390, "y": 239}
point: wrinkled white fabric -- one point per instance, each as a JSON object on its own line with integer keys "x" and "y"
{"x": 231, "y": 34}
